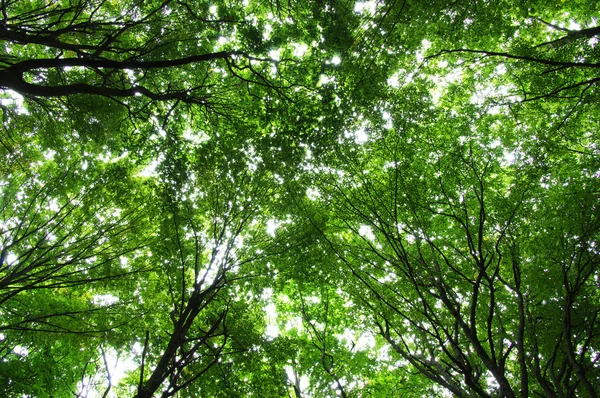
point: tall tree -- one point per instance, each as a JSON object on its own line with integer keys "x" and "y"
{"x": 212, "y": 209}
{"x": 443, "y": 231}
{"x": 71, "y": 247}
{"x": 160, "y": 50}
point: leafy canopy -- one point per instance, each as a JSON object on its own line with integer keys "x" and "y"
{"x": 293, "y": 199}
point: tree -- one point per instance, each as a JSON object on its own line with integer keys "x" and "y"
{"x": 445, "y": 236}
{"x": 70, "y": 248}
{"x": 118, "y": 51}
{"x": 251, "y": 198}
{"x": 207, "y": 219}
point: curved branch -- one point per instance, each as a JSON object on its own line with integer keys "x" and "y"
{"x": 35, "y": 90}
{"x": 12, "y": 77}
{"x": 571, "y": 35}
{"x": 517, "y": 57}
{"x": 47, "y": 63}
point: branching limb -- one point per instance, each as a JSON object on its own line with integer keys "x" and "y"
{"x": 506, "y": 55}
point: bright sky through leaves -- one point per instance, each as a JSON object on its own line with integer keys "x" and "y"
{"x": 299, "y": 199}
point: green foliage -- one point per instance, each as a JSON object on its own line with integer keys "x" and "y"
{"x": 293, "y": 199}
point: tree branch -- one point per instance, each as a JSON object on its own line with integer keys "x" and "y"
{"x": 100, "y": 63}
{"x": 517, "y": 57}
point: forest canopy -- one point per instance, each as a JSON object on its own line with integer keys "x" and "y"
{"x": 299, "y": 199}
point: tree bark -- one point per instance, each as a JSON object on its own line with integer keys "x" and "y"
{"x": 47, "y": 63}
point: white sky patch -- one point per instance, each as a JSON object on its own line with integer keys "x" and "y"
{"x": 383, "y": 354}
{"x": 220, "y": 256}
{"x": 355, "y": 340}
{"x": 442, "y": 82}
{"x": 388, "y": 119}
{"x": 53, "y": 205}
{"x": 336, "y": 60}
{"x": 21, "y": 350}
{"x": 239, "y": 241}
{"x": 443, "y": 391}
{"x": 299, "y": 49}
{"x": 313, "y": 193}
{"x": 366, "y": 341}
{"x": 272, "y": 226}
{"x": 254, "y": 160}
{"x": 303, "y": 380}
{"x": 105, "y": 299}
{"x": 275, "y": 54}
{"x": 509, "y": 158}
{"x": 272, "y": 330}
{"x": 150, "y": 170}
{"x": 348, "y": 338}
{"x": 495, "y": 144}
{"x": 454, "y": 76}
{"x": 389, "y": 277}
{"x": 365, "y": 6}
{"x": 14, "y": 99}
{"x": 130, "y": 74}
{"x": 49, "y": 154}
{"x": 425, "y": 44}
{"x": 294, "y": 323}
{"x": 360, "y": 135}
{"x": 267, "y": 32}
{"x": 324, "y": 79}
{"x": 393, "y": 81}
{"x": 195, "y": 137}
{"x": 221, "y": 41}
{"x": 485, "y": 92}
{"x": 108, "y": 157}
{"x": 366, "y": 232}
{"x": 266, "y": 293}
{"x": 118, "y": 366}
{"x": 491, "y": 380}
{"x": 574, "y": 25}
{"x": 284, "y": 298}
